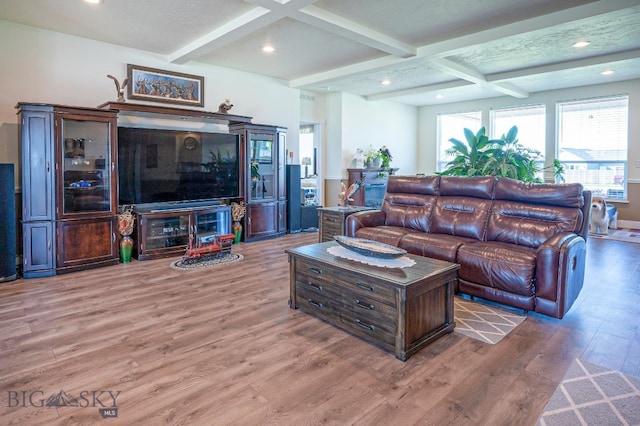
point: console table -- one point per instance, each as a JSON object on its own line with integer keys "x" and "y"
{"x": 399, "y": 310}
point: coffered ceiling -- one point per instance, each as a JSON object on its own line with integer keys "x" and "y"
{"x": 429, "y": 51}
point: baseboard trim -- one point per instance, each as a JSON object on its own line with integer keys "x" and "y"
{"x": 629, "y": 224}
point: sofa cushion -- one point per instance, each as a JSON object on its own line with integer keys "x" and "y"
{"x": 463, "y": 205}
{"x": 437, "y": 246}
{"x": 530, "y": 224}
{"x": 409, "y": 201}
{"x": 468, "y": 186}
{"x": 503, "y": 266}
{"x": 460, "y": 216}
{"x": 560, "y": 195}
{"x": 385, "y": 234}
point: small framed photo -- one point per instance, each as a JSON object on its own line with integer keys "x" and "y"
{"x": 156, "y": 85}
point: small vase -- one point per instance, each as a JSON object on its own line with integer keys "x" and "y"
{"x": 126, "y": 245}
{"x": 237, "y": 232}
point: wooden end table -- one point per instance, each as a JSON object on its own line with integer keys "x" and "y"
{"x": 400, "y": 310}
{"x": 332, "y": 220}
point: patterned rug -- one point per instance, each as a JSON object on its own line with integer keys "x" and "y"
{"x": 484, "y": 322}
{"x": 626, "y": 235}
{"x": 593, "y": 395}
{"x": 210, "y": 263}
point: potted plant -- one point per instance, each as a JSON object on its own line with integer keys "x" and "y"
{"x": 503, "y": 157}
{"x": 372, "y": 158}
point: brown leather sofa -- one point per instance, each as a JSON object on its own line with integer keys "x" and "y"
{"x": 517, "y": 244}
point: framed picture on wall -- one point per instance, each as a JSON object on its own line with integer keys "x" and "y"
{"x": 156, "y": 85}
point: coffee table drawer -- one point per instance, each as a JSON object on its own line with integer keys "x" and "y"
{"x": 357, "y": 283}
{"x": 359, "y": 304}
{"x": 374, "y": 328}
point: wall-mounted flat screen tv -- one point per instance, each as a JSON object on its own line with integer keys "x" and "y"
{"x": 167, "y": 166}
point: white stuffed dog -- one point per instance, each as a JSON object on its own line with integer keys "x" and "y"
{"x": 599, "y": 223}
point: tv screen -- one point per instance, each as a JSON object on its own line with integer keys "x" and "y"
{"x": 162, "y": 166}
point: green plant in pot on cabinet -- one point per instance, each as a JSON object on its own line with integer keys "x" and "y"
{"x": 504, "y": 157}
{"x": 372, "y": 158}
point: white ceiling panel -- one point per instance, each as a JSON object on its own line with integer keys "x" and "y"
{"x": 460, "y": 49}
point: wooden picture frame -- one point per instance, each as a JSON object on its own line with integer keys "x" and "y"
{"x": 151, "y": 84}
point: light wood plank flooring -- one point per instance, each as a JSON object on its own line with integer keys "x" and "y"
{"x": 221, "y": 346}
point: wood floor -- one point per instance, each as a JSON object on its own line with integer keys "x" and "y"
{"x": 221, "y": 346}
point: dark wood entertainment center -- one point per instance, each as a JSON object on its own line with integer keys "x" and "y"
{"x": 70, "y": 187}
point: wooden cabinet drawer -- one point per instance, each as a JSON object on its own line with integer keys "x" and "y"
{"x": 375, "y": 328}
{"x": 356, "y": 303}
{"x": 360, "y": 285}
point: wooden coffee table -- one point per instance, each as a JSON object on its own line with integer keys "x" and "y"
{"x": 398, "y": 309}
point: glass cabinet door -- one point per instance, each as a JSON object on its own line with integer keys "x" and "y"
{"x": 86, "y": 171}
{"x": 263, "y": 161}
{"x": 163, "y": 232}
{"x": 213, "y": 222}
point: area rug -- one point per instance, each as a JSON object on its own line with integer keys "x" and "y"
{"x": 593, "y": 395}
{"x": 484, "y": 322}
{"x": 210, "y": 263}
{"x": 626, "y": 235}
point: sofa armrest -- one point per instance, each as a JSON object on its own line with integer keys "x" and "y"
{"x": 364, "y": 219}
{"x": 560, "y": 266}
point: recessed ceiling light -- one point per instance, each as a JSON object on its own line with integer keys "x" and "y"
{"x": 581, "y": 43}
{"x": 268, "y": 49}
{"x": 607, "y": 72}
{"x": 439, "y": 96}
{"x": 386, "y": 82}
{"x": 94, "y": 1}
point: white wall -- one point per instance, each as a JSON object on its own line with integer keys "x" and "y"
{"x": 48, "y": 67}
{"x": 379, "y": 123}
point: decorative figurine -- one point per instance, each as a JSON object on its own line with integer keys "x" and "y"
{"x": 119, "y": 88}
{"x": 345, "y": 193}
{"x": 225, "y": 106}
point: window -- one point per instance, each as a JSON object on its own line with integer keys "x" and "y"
{"x": 530, "y": 121}
{"x": 592, "y": 144}
{"x": 452, "y": 126}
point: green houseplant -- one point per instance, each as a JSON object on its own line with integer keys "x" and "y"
{"x": 504, "y": 157}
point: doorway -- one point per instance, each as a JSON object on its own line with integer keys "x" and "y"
{"x": 310, "y": 167}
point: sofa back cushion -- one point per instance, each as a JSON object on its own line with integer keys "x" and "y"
{"x": 463, "y": 206}
{"x": 528, "y": 214}
{"x": 409, "y": 201}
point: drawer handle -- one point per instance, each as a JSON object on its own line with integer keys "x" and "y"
{"x": 366, "y": 287}
{"x": 316, "y": 270}
{"x": 365, "y": 305}
{"x": 316, "y": 304}
{"x": 315, "y": 286}
{"x": 330, "y": 219}
{"x": 369, "y": 327}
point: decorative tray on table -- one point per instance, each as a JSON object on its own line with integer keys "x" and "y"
{"x": 369, "y": 247}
